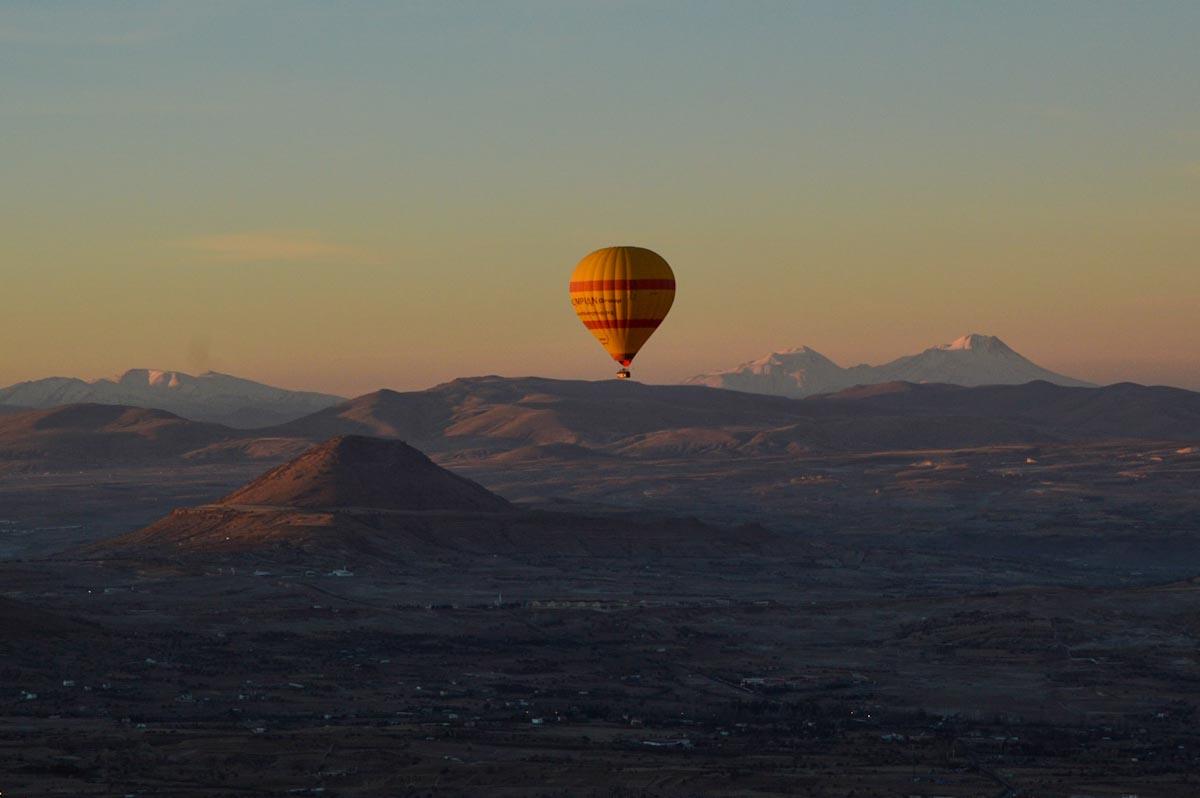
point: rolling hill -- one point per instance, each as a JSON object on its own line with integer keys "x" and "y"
{"x": 495, "y": 415}
{"x": 87, "y": 435}
{"x": 1114, "y": 412}
{"x": 536, "y": 419}
{"x": 357, "y": 471}
{"x": 368, "y": 500}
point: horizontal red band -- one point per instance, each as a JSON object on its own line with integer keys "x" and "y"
{"x": 621, "y": 324}
{"x": 621, "y": 285}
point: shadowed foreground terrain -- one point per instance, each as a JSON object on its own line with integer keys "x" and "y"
{"x": 1006, "y": 619}
{"x": 814, "y": 673}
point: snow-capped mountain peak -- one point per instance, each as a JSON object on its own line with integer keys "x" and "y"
{"x": 973, "y": 359}
{"x": 208, "y": 397}
{"x": 154, "y": 378}
{"x": 780, "y": 372}
{"x": 975, "y": 341}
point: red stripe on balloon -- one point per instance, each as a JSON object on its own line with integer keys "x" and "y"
{"x": 621, "y": 285}
{"x": 621, "y": 324}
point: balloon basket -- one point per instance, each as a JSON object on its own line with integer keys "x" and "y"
{"x": 623, "y": 374}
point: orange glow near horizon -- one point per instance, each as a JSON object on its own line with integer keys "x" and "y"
{"x": 371, "y": 208}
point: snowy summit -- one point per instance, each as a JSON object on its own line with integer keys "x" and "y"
{"x": 207, "y": 397}
{"x": 970, "y": 360}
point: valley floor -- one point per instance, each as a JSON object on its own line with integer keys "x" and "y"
{"x": 925, "y": 629}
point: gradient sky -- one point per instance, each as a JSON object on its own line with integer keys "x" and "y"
{"x": 346, "y": 196}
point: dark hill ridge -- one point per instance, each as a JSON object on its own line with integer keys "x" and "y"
{"x": 1123, "y": 410}
{"x": 474, "y": 411}
{"x": 90, "y": 434}
{"x": 496, "y": 413}
{"x": 413, "y": 416}
{"x": 565, "y": 420}
{"x": 356, "y": 471}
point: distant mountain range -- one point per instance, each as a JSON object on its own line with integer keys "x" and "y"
{"x": 540, "y": 418}
{"x": 971, "y": 360}
{"x": 512, "y": 421}
{"x": 213, "y": 397}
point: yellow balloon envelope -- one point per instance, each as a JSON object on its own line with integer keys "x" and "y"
{"x": 622, "y": 294}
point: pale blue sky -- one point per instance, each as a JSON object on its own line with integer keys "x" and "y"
{"x": 348, "y": 195}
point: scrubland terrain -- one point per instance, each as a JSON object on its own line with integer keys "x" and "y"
{"x": 1006, "y": 619}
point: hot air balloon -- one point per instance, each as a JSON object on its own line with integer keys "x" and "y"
{"x": 622, "y": 294}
